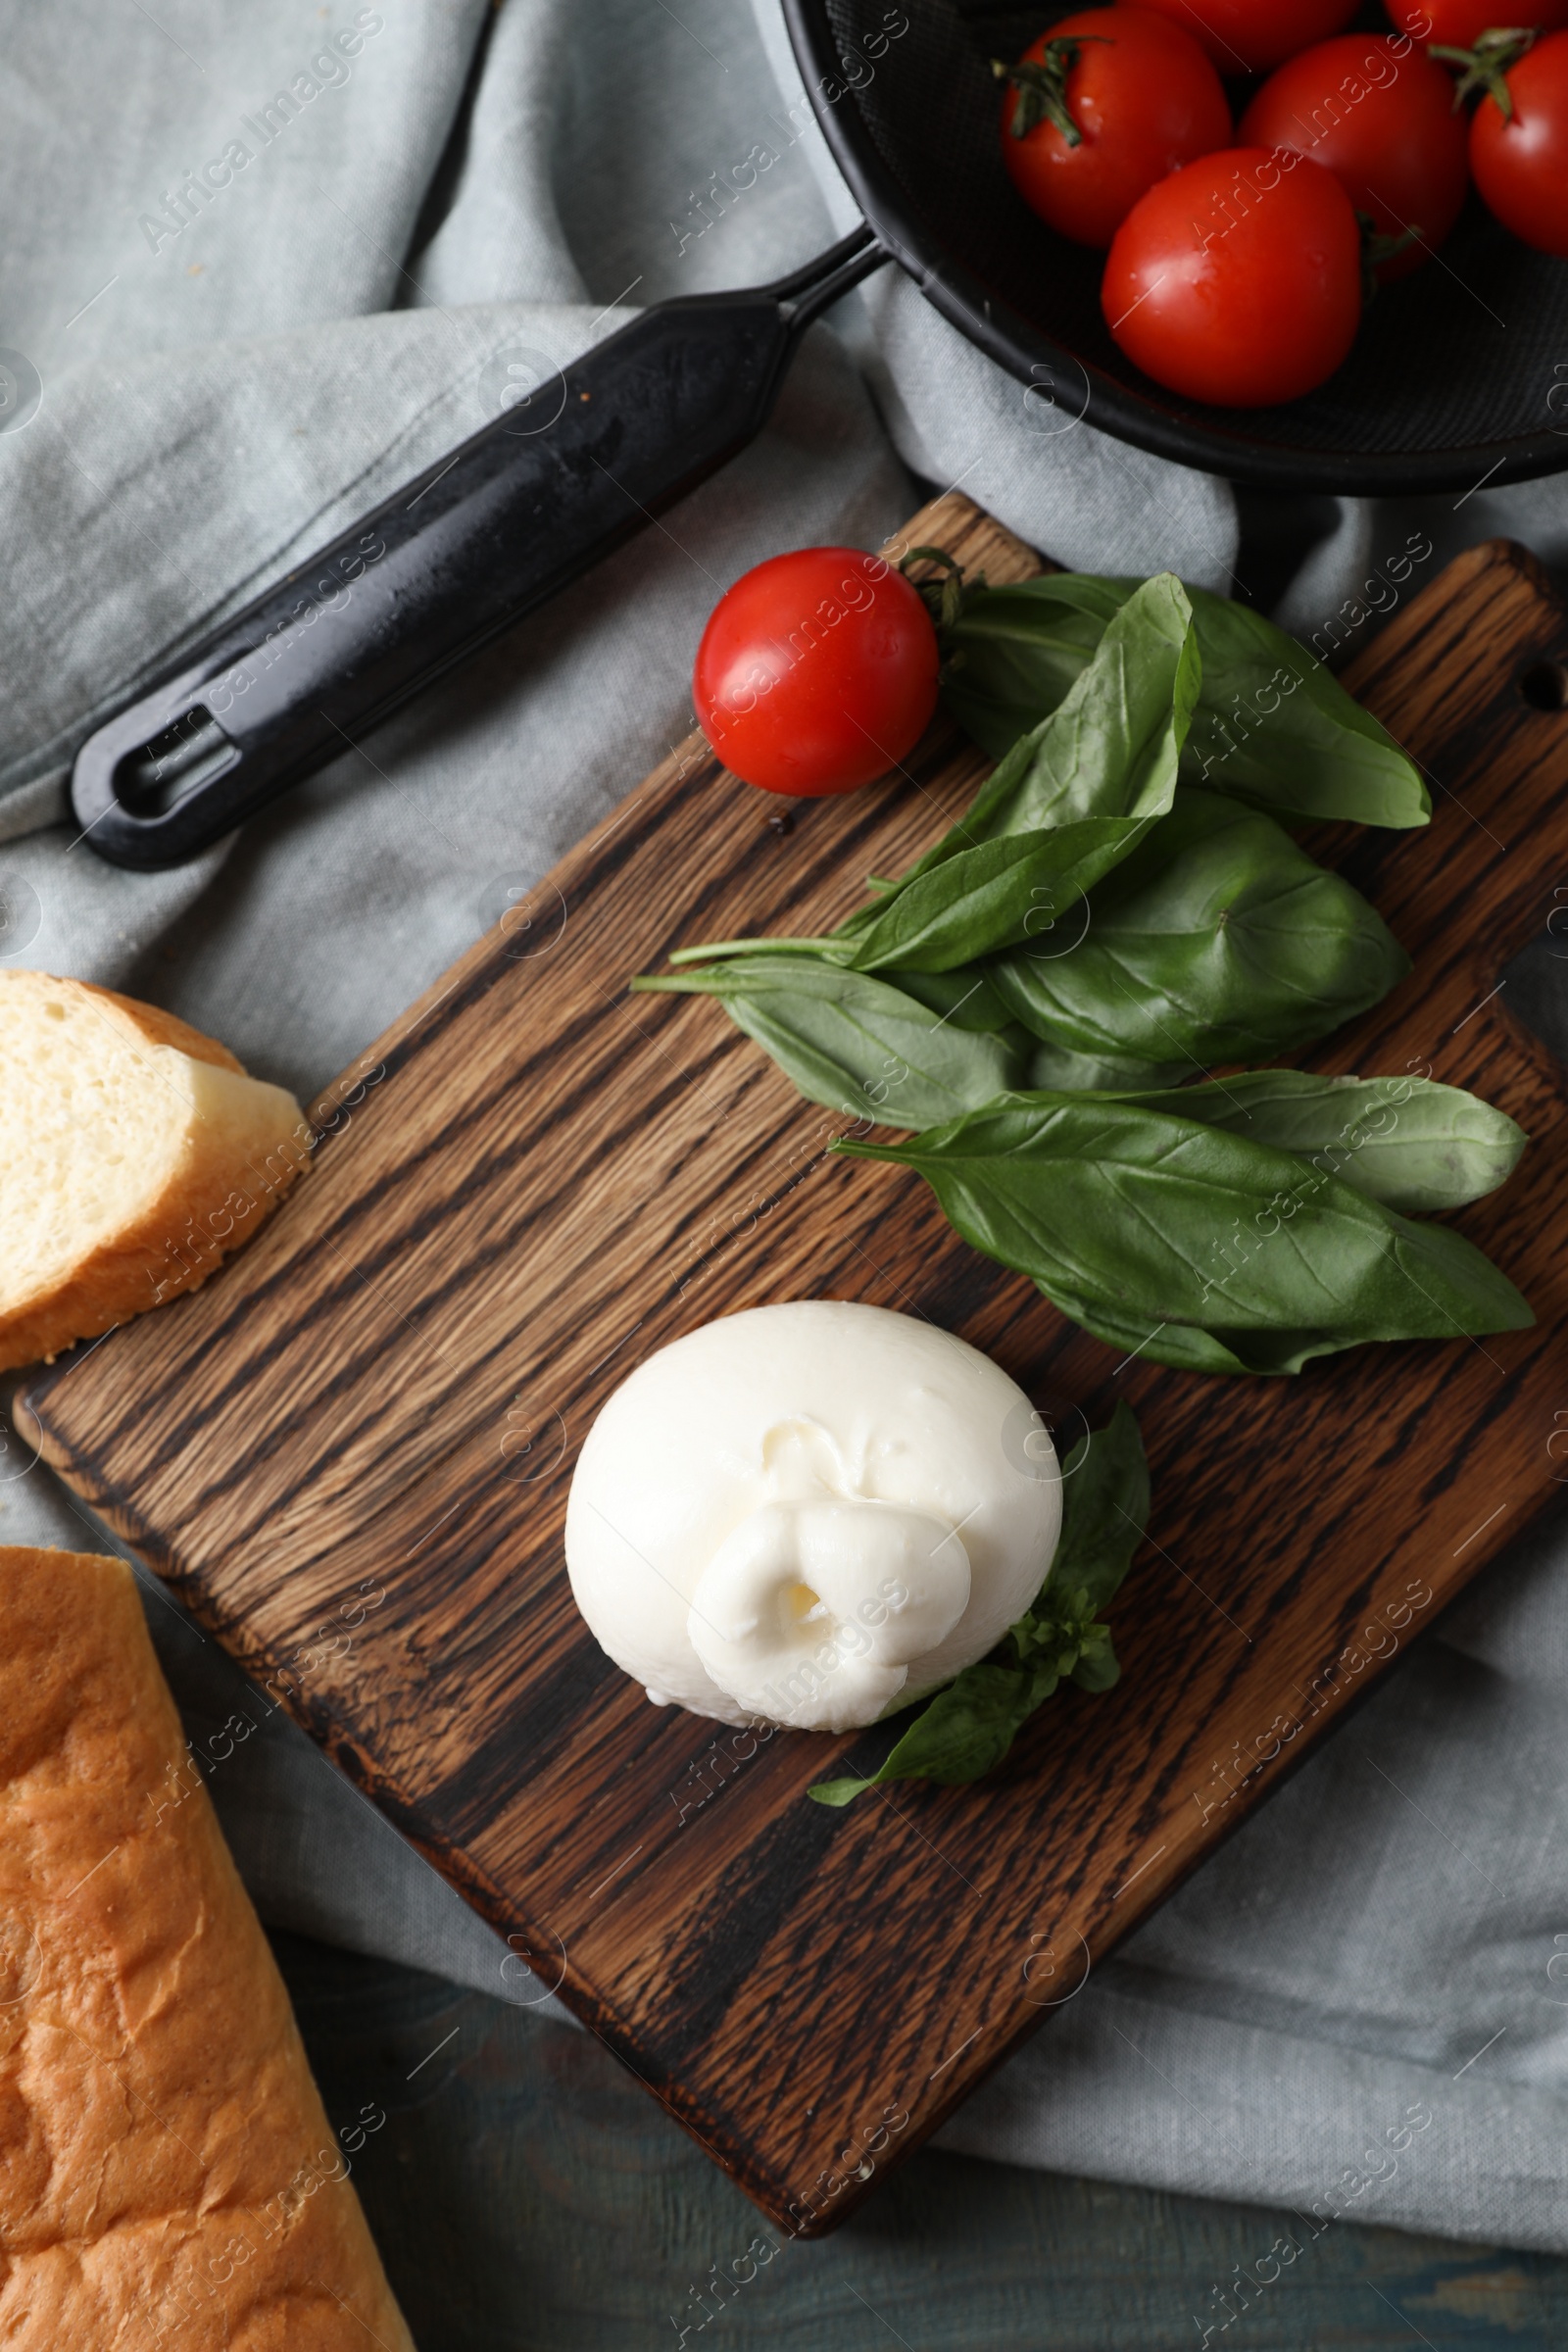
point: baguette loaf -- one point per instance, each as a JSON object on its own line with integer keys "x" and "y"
{"x": 138, "y": 1153}
{"x": 169, "y": 2177}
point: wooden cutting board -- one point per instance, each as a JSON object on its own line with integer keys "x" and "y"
{"x": 349, "y": 1454}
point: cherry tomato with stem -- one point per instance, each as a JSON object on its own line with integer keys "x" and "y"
{"x": 1237, "y": 280}
{"x": 817, "y": 672}
{"x": 1249, "y": 36}
{"x": 1380, "y": 115}
{"x": 1519, "y": 144}
{"x": 1101, "y": 107}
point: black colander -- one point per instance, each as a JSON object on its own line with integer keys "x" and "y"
{"x": 1459, "y": 374}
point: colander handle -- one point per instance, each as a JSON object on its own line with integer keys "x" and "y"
{"x": 448, "y": 563}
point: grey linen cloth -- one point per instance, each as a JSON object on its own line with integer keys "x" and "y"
{"x": 231, "y": 369}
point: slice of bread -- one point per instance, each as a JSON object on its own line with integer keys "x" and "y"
{"x": 138, "y": 1154}
{"x": 169, "y": 2177}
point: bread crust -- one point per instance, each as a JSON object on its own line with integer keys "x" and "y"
{"x": 162, "y": 1028}
{"x": 235, "y": 1170}
{"x": 169, "y": 2177}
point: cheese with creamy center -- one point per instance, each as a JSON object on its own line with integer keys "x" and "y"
{"x": 809, "y": 1513}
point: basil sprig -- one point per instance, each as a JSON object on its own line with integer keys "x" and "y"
{"x": 1271, "y": 726}
{"x": 1217, "y": 939}
{"x": 1191, "y": 1245}
{"x": 970, "y": 1724}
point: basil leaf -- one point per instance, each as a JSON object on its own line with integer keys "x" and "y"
{"x": 1052, "y": 1070}
{"x": 1019, "y": 650}
{"x": 1112, "y": 747}
{"x": 964, "y": 996}
{"x": 969, "y": 999}
{"x": 1105, "y": 1510}
{"x": 969, "y": 1727}
{"x": 965, "y": 1729}
{"x": 1188, "y": 1349}
{"x": 1069, "y": 800}
{"x": 985, "y": 896}
{"x": 1410, "y": 1143}
{"x": 856, "y": 1044}
{"x": 1217, "y": 939}
{"x": 1097, "y": 1668}
{"x": 1157, "y": 1225}
{"x": 942, "y": 917}
{"x": 1272, "y": 726}
{"x": 1277, "y": 728}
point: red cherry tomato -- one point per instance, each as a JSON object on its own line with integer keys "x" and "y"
{"x": 1247, "y": 37}
{"x": 1379, "y": 114}
{"x": 817, "y": 672}
{"x": 1459, "y": 24}
{"x": 1237, "y": 280}
{"x": 1143, "y": 99}
{"x": 1521, "y": 166}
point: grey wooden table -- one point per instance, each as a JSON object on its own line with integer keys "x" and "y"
{"x": 528, "y": 2196}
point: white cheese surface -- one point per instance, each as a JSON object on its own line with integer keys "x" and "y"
{"x": 809, "y": 1513}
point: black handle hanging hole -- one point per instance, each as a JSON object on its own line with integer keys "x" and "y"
{"x": 186, "y": 754}
{"x": 1545, "y": 687}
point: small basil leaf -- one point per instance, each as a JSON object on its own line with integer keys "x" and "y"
{"x": 1186, "y": 1348}
{"x": 1097, "y": 1668}
{"x": 1270, "y": 1354}
{"x": 966, "y": 1729}
{"x": 1410, "y": 1143}
{"x": 1261, "y": 1354}
{"x": 1216, "y": 940}
{"x": 854, "y": 1042}
{"x": 1113, "y": 744}
{"x": 1105, "y": 1510}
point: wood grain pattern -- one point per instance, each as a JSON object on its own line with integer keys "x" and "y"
{"x": 350, "y": 1453}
